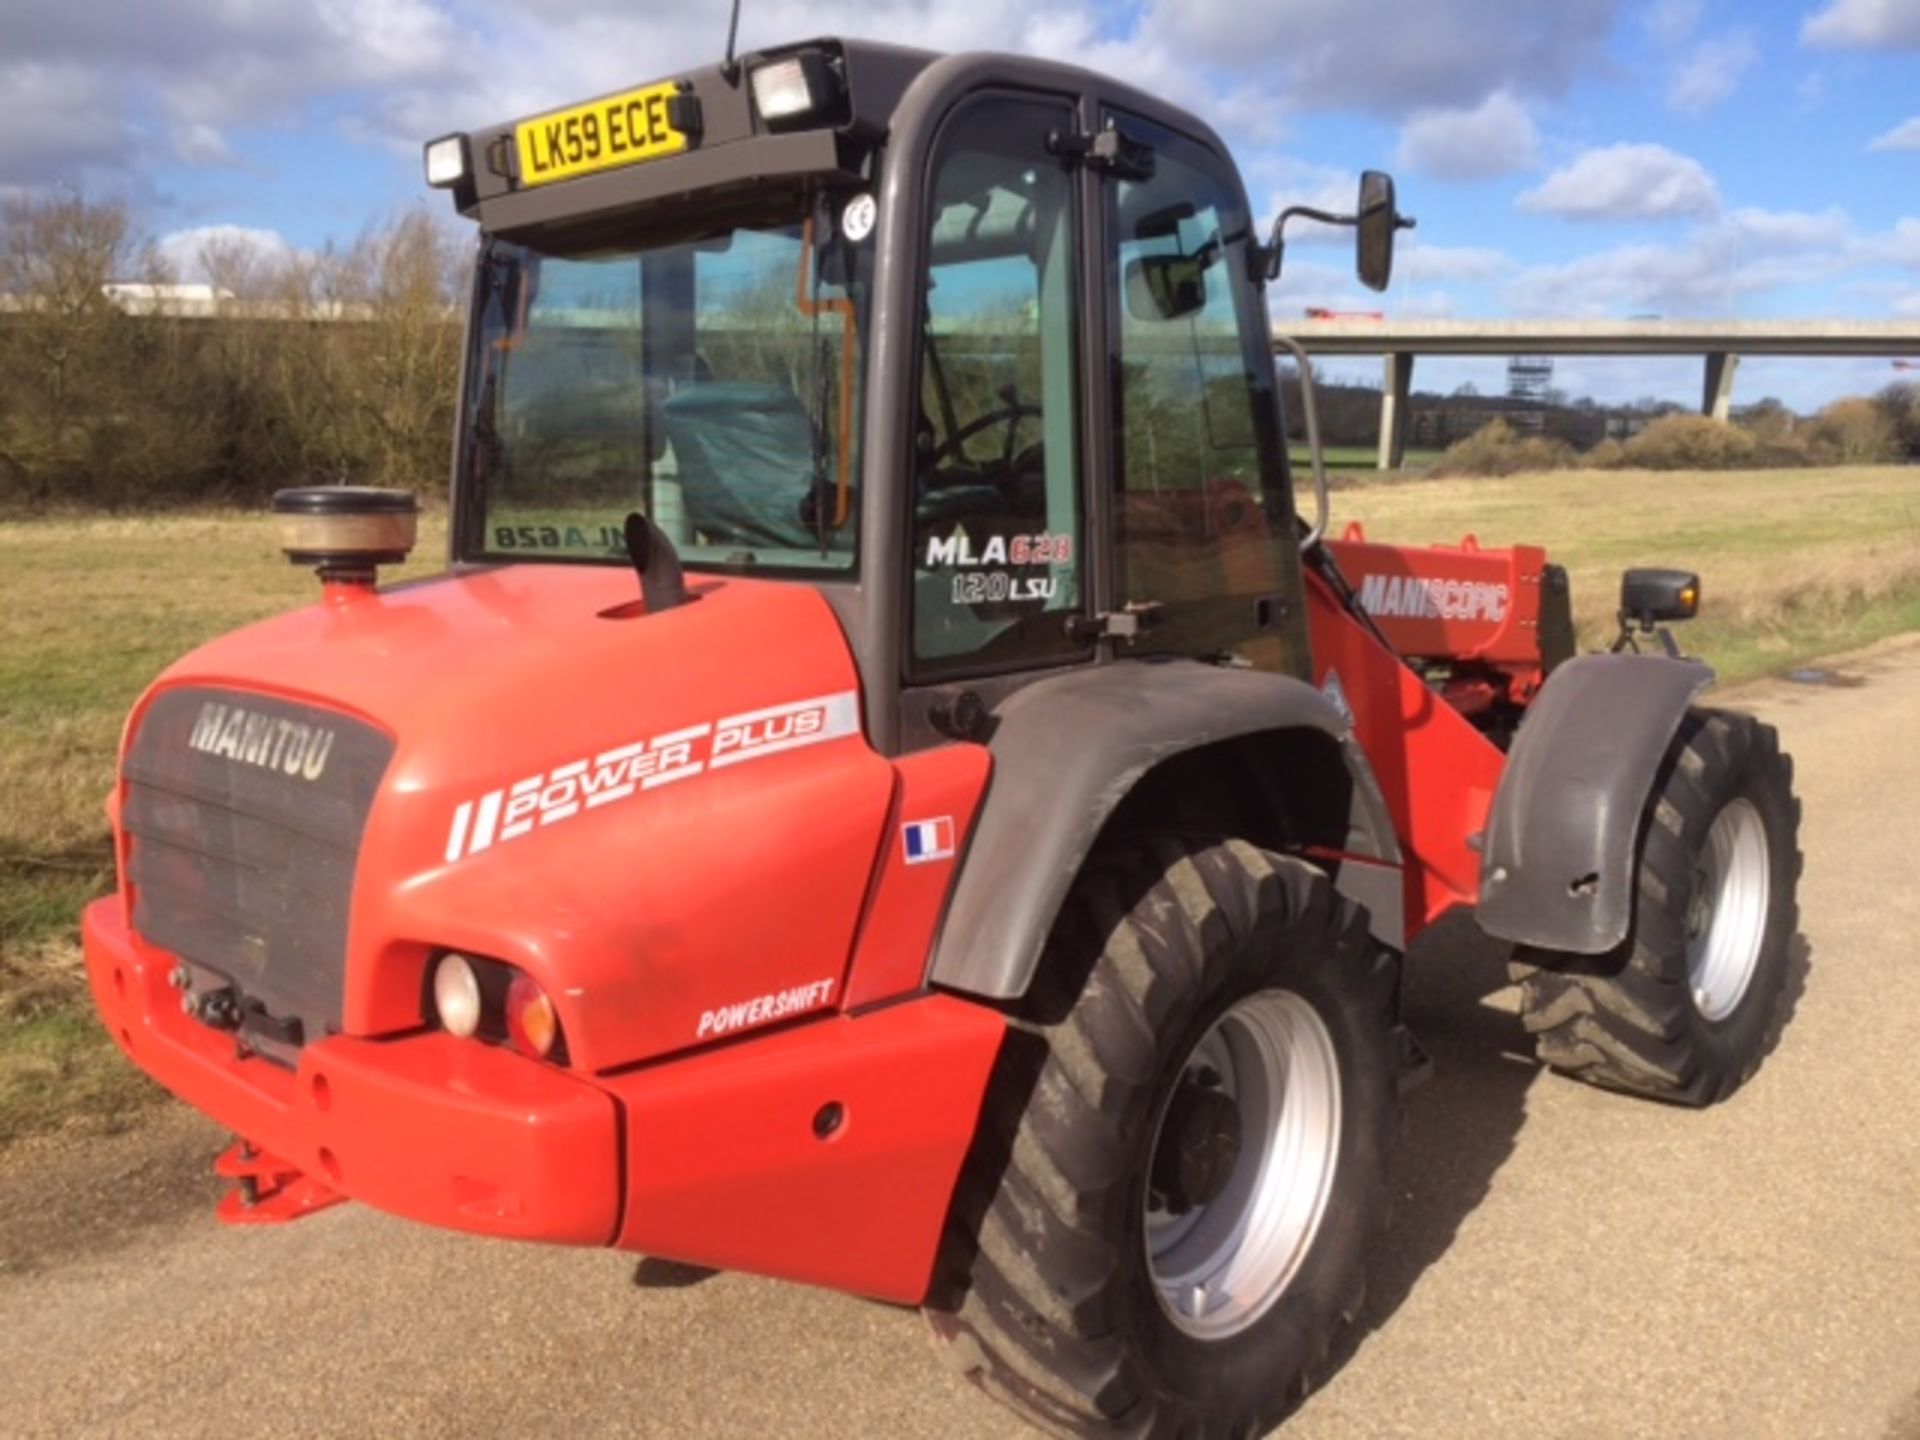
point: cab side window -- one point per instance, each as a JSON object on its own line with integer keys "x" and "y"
{"x": 997, "y": 531}
{"x": 1203, "y": 518}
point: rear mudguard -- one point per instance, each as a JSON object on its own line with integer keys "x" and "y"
{"x": 1066, "y": 751}
{"x": 1557, "y": 866}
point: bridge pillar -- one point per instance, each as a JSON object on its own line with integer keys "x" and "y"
{"x": 1396, "y": 395}
{"x": 1717, "y": 399}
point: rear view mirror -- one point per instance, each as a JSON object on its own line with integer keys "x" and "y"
{"x": 1377, "y": 220}
{"x": 1649, "y": 596}
{"x": 1166, "y": 287}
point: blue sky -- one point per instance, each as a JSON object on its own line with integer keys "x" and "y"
{"x": 1564, "y": 157}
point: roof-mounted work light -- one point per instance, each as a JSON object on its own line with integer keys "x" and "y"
{"x": 797, "y": 90}
{"x": 446, "y": 161}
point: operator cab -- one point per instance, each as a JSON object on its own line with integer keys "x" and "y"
{"x": 976, "y": 344}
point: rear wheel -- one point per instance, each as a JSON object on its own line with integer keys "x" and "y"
{"x": 1164, "y": 1228}
{"x": 1689, "y": 1006}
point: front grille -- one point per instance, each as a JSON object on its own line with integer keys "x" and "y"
{"x": 244, "y": 815}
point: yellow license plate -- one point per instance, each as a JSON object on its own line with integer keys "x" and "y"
{"x": 619, "y": 130}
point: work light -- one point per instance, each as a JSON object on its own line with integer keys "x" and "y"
{"x": 792, "y": 90}
{"x": 446, "y": 161}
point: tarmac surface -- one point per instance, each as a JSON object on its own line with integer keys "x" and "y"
{"x": 1563, "y": 1262}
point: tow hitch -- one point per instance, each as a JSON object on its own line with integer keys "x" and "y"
{"x": 267, "y": 1190}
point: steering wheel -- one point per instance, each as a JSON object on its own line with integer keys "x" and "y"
{"x": 1009, "y": 415}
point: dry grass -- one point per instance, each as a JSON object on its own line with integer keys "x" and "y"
{"x": 91, "y": 609}
{"x": 1794, "y": 563}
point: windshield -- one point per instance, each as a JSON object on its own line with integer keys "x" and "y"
{"x": 709, "y": 381}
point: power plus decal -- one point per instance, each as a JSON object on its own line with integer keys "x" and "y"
{"x": 568, "y": 789}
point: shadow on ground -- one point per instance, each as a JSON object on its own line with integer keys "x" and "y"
{"x": 1462, "y": 1124}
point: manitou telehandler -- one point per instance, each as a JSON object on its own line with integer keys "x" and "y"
{"x": 889, "y": 792}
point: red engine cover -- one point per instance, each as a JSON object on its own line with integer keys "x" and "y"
{"x": 668, "y": 820}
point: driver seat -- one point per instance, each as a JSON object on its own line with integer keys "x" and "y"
{"x": 745, "y": 454}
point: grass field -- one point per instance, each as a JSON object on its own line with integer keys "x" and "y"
{"x": 92, "y": 609}
{"x": 1345, "y": 459}
{"x": 1797, "y": 563}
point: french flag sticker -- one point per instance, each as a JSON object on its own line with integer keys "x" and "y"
{"x": 928, "y": 840}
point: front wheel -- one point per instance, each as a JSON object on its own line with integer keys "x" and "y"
{"x": 1690, "y": 1005}
{"x": 1165, "y": 1226}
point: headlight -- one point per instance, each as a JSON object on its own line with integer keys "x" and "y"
{"x": 456, "y": 995}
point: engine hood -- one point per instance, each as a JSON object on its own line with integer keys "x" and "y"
{"x": 665, "y": 818}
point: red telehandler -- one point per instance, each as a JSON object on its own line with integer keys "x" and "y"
{"x": 888, "y": 791}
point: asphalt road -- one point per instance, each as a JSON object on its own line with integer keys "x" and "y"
{"x": 1563, "y": 1262}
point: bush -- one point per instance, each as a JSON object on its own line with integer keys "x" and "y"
{"x": 1901, "y": 405}
{"x": 1495, "y": 449}
{"x": 1854, "y": 432}
{"x": 1688, "y": 442}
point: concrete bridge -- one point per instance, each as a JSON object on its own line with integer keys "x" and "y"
{"x": 1720, "y": 343}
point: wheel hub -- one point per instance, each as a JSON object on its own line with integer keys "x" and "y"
{"x": 1727, "y": 912}
{"x": 1199, "y": 1144}
{"x": 1243, "y": 1161}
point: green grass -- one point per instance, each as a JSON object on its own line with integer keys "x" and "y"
{"x": 1796, "y": 563}
{"x": 1360, "y": 457}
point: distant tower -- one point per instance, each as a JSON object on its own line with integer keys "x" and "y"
{"x": 1529, "y": 377}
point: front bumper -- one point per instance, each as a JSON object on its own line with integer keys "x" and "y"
{"x": 824, "y": 1152}
{"x": 440, "y": 1130}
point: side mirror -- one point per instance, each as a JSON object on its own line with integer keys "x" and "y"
{"x": 1650, "y": 596}
{"x": 1377, "y": 219}
{"x": 1166, "y": 287}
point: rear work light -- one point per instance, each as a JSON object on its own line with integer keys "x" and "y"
{"x": 797, "y": 89}
{"x": 446, "y": 161}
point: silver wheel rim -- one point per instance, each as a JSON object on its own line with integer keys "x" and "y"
{"x": 1727, "y": 913}
{"x": 1221, "y": 1265}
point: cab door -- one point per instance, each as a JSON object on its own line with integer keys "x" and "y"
{"x": 1205, "y": 544}
{"x": 998, "y": 479}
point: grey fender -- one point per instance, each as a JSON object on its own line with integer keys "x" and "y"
{"x": 1069, "y": 749}
{"x": 1556, "y": 869}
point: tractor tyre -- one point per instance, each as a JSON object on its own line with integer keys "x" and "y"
{"x": 1687, "y": 1008}
{"x": 1164, "y": 1226}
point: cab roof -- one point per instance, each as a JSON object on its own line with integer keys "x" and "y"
{"x": 729, "y": 148}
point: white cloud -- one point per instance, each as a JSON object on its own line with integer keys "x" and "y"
{"x": 1631, "y": 280}
{"x": 1712, "y": 71}
{"x": 1386, "y": 56}
{"x": 1712, "y": 271}
{"x": 1671, "y": 22}
{"x": 108, "y": 92}
{"x": 1899, "y": 246}
{"x": 1495, "y": 137}
{"x": 197, "y": 143}
{"x": 1626, "y": 182}
{"x": 1865, "y": 25}
{"x": 1421, "y": 264}
{"x": 1904, "y": 136}
{"x": 1777, "y": 232}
